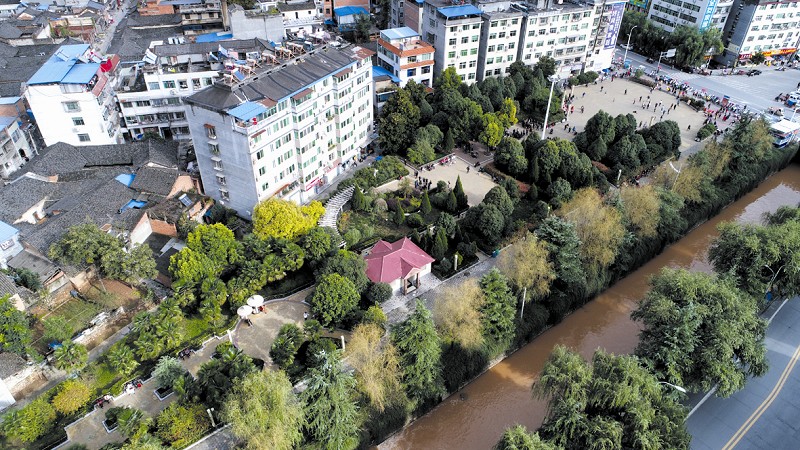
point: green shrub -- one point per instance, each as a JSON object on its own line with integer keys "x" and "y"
{"x": 378, "y": 293}
{"x": 707, "y": 130}
{"x": 181, "y": 425}
{"x": 415, "y": 220}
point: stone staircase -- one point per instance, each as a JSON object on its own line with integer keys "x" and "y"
{"x": 332, "y": 209}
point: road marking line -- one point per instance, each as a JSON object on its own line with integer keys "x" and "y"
{"x": 742, "y": 431}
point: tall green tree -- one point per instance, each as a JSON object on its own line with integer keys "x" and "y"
{"x": 333, "y": 299}
{"x": 70, "y": 356}
{"x": 518, "y": 438}
{"x": 439, "y": 245}
{"x": 420, "y": 355}
{"x": 181, "y": 425}
{"x": 498, "y": 311}
{"x": 347, "y": 264}
{"x": 461, "y": 196}
{"x": 425, "y": 205}
{"x": 759, "y": 256}
{"x": 614, "y": 403}
{"x": 527, "y": 264}
{"x": 399, "y": 121}
{"x": 15, "y": 332}
{"x": 30, "y": 422}
{"x": 701, "y": 331}
{"x": 284, "y": 347}
{"x": 285, "y": 219}
{"x": 332, "y": 416}
{"x": 264, "y": 412}
{"x": 121, "y": 358}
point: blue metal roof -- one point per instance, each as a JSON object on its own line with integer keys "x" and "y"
{"x": 125, "y": 178}
{"x": 247, "y": 110}
{"x": 213, "y": 37}
{"x": 378, "y": 71}
{"x": 6, "y": 121}
{"x": 58, "y": 69}
{"x": 7, "y": 231}
{"x": 81, "y": 73}
{"x": 349, "y": 11}
{"x": 400, "y": 33}
{"x": 459, "y": 11}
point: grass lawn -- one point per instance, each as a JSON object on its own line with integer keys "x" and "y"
{"x": 77, "y": 312}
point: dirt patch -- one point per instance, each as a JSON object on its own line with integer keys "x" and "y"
{"x": 31, "y": 384}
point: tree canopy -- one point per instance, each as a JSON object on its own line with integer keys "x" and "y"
{"x": 457, "y": 314}
{"x": 598, "y": 226}
{"x": 285, "y": 219}
{"x": 264, "y": 412}
{"x": 612, "y": 403}
{"x": 15, "y": 332}
{"x": 701, "y": 331}
{"x": 377, "y": 366}
{"x": 333, "y": 299}
{"x": 332, "y": 417}
{"x": 420, "y": 355}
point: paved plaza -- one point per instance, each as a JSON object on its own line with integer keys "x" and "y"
{"x": 617, "y": 97}
{"x": 476, "y": 184}
{"x": 89, "y": 430}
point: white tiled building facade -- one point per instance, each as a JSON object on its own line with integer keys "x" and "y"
{"x": 486, "y": 38}
{"x": 73, "y": 100}
{"x": 285, "y": 132}
{"x": 701, "y": 14}
{"x": 402, "y": 52}
{"x": 769, "y": 27}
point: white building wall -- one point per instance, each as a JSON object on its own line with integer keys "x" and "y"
{"x": 293, "y": 152}
{"x": 500, "y": 39}
{"x": 457, "y": 42}
{"x": 160, "y": 107}
{"x": 774, "y": 30}
{"x": 54, "y": 111}
{"x": 12, "y": 141}
{"x": 668, "y": 14}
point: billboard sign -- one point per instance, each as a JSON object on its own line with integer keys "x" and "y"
{"x": 614, "y": 22}
{"x": 708, "y": 15}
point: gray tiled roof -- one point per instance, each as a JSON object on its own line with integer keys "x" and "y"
{"x": 155, "y": 180}
{"x": 86, "y": 189}
{"x": 7, "y": 286}
{"x": 277, "y": 84}
{"x": 10, "y": 363}
{"x": 20, "y": 63}
{"x": 138, "y": 20}
{"x": 35, "y": 263}
{"x": 8, "y": 31}
{"x": 21, "y": 195}
{"x": 296, "y": 6}
{"x": 239, "y": 45}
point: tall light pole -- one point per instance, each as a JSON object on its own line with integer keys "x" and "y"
{"x": 628, "y": 45}
{"x": 673, "y": 386}
{"x": 553, "y": 80}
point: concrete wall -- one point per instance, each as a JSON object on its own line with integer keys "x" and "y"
{"x": 55, "y": 123}
{"x": 250, "y": 26}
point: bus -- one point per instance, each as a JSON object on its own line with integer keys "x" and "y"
{"x": 784, "y": 132}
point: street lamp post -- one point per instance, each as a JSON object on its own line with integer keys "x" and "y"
{"x": 553, "y": 80}
{"x": 774, "y": 275}
{"x": 673, "y": 386}
{"x": 628, "y": 45}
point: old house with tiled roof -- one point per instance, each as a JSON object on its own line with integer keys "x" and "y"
{"x": 401, "y": 264}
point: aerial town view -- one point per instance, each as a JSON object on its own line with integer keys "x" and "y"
{"x": 389, "y": 224}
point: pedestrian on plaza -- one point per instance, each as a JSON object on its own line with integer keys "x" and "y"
{"x": 581, "y": 109}
{"x": 626, "y": 92}
{"x": 467, "y": 169}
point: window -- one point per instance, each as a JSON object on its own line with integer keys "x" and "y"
{"x": 211, "y": 131}
{"x": 221, "y": 180}
{"x": 213, "y": 148}
{"x": 493, "y": 36}
{"x": 142, "y": 103}
{"x": 262, "y": 171}
{"x": 224, "y": 195}
{"x": 217, "y": 164}
{"x": 451, "y": 54}
{"x": 475, "y": 38}
{"x": 83, "y": 137}
{"x": 71, "y": 106}
{"x": 462, "y": 65}
{"x": 452, "y": 41}
{"x": 260, "y": 154}
{"x": 465, "y": 40}
{"x": 153, "y": 86}
{"x": 265, "y": 186}
{"x": 78, "y": 121}
{"x": 169, "y": 85}
{"x": 473, "y": 51}
{"x": 463, "y": 52}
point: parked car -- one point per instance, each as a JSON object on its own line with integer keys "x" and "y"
{"x": 753, "y": 72}
{"x": 651, "y": 60}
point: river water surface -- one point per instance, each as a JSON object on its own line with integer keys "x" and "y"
{"x": 501, "y": 397}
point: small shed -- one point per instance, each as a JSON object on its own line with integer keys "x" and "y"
{"x": 401, "y": 264}
{"x": 346, "y": 16}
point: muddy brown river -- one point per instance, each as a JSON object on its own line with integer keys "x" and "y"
{"x": 501, "y": 397}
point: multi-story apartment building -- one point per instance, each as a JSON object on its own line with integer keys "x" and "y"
{"x": 456, "y": 32}
{"x": 560, "y": 31}
{"x": 300, "y": 15}
{"x": 486, "y": 38}
{"x": 500, "y": 37}
{"x": 767, "y": 27}
{"x": 201, "y": 16}
{"x": 402, "y": 52}
{"x": 700, "y": 14}
{"x": 285, "y": 130}
{"x": 151, "y": 95}
{"x": 71, "y": 97}
{"x": 15, "y": 149}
